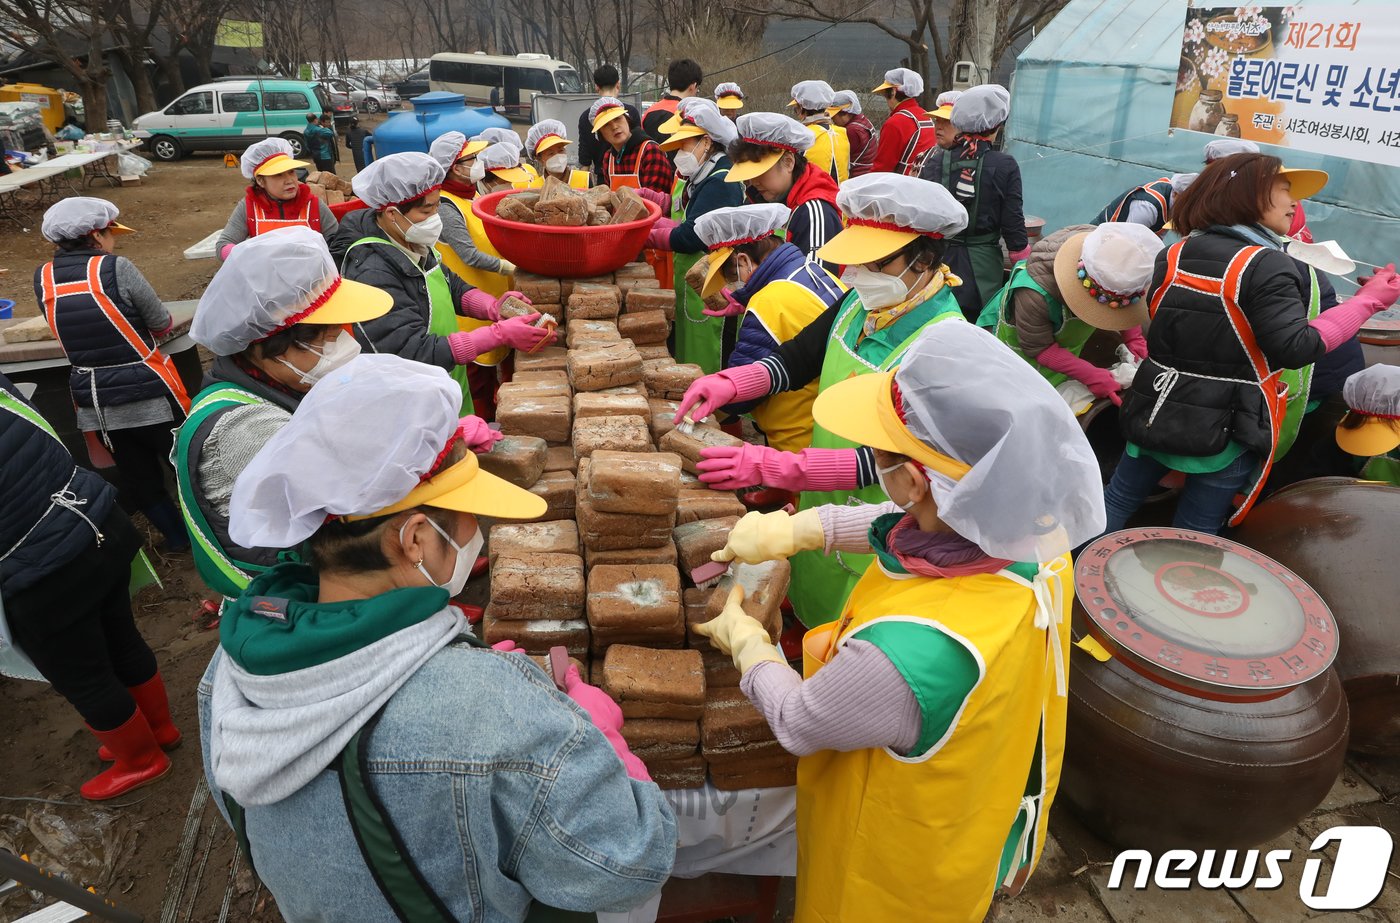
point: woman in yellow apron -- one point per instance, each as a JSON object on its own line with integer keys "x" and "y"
{"x": 1371, "y": 428}
{"x": 548, "y": 144}
{"x": 698, "y": 135}
{"x": 831, "y": 147}
{"x": 464, "y": 247}
{"x": 893, "y": 250}
{"x": 437, "y": 318}
{"x": 929, "y": 721}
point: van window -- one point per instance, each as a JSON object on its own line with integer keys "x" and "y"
{"x": 323, "y": 98}
{"x": 567, "y": 81}
{"x": 533, "y": 78}
{"x": 286, "y": 102}
{"x": 238, "y": 102}
{"x": 470, "y": 72}
{"x": 192, "y": 104}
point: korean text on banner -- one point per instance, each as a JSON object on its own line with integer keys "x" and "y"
{"x": 1315, "y": 77}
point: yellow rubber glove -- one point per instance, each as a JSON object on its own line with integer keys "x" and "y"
{"x": 738, "y": 634}
{"x": 507, "y": 267}
{"x": 760, "y": 537}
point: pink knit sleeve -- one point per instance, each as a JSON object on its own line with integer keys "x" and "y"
{"x": 847, "y": 528}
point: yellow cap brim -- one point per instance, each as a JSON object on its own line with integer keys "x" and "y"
{"x": 673, "y": 124}
{"x": 750, "y": 169}
{"x": 944, "y": 112}
{"x": 883, "y": 87}
{"x": 352, "y": 303}
{"x": 606, "y": 116}
{"x": 730, "y": 102}
{"x": 792, "y": 104}
{"x": 465, "y": 488}
{"x": 681, "y": 134}
{"x": 832, "y": 110}
{"x": 510, "y": 174}
{"x": 281, "y": 164}
{"x": 116, "y": 227}
{"x": 1304, "y": 184}
{"x": 714, "y": 279}
{"x": 860, "y": 244}
{"x": 547, "y": 143}
{"x": 844, "y": 409}
{"x": 1374, "y": 437}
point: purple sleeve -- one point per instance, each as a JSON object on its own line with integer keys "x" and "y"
{"x": 858, "y": 701}
{"x": 847, "y": 528}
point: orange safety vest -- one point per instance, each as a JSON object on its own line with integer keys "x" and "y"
{"x": 264, "y": 215}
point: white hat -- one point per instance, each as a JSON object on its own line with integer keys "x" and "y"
{"x": 729, "y": 96}
{"x": 604, "y": 110}
{"x": 981, "y": 108}
{"x": 723, "y": 229}
{"x": 1374, "y": 393}
{"x": 1103, "y": 274}
{"x": 273, "y": 281}
{"x": 397, "y": 178}
{"x": 696, "y": 116}
{"x": 268, "y": 158}
{"x": 504, "y": 161}
{"x": 813, "y": 94}
{"x": 78, "y": 216}
{"x": 885, "y": 211}
{"x": 499, "y": 136}
{"x": 1224, "y": 147}
{"x": 845, "y": 100}
{"x": 768, "y": 129}
{"x": 979, "y": 419}
{"x": 448, "y": 149}
{"x": 548, "y": 130}
{"x": 947, "y": 98}
{"x": 367, "y": 440}
{"x": 902, "y": 79}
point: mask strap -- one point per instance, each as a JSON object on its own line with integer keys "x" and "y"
{"x": 438, "y": 529}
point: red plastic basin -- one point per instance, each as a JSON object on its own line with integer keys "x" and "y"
{"x": 570, "y": 253}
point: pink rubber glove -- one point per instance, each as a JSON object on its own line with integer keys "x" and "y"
{"x": 659, "y": 237}
{"x": 711, "y": 392}
{"x": 1338, "y": 325}
{"x": 515, "y": 332}
{"x": 731, "y": 307}
{"x": 478, "y": 434}
{"x": 224, "y": 251}
{"x": 606, "y": 717}
{"x": 734, "y": 467}
{"x": 1099, "y": 381}
{"x": 656, "y": 197}
{"x": 481, "y": 305}
{"x": 1017, "y": 256}
{"x": 164, "y": 330}
{"x": 507, "y": 646}
{"x": 1136, "y": 342}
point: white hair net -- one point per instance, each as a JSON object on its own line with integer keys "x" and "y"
{"x": 948, "y": 98}
{"x": 849, "y": 99}
{"x": 1034, "y": 491}
{"x": 1374, "y": 391}
{"x": 260, "y": 153}
{"x": 447, "y": 149}
{"x": 361, "y": 439}
{"x": 727, "y": 227}
{"x": 499, "y": 157}
{"x": 728, "y": 89}
{"x": 908, "y": 82}
{"x": 1224, "y": 147}
{"x": 499, "y": 136}
{"x": 265, "y": 280}
{"x": 774, "y": 130}
{"x": 544, "y": 129}
{"x": 981, "y": 108}
{"x": 704, "y": 114}
{"x": 906, "y": 201}
{"x": 604, "y": 102}
{"x": 396, "y": 179}
{"x": 76, "y": 217}
{"x": 813, "y": 94}
{"x": 1120, "y": 257}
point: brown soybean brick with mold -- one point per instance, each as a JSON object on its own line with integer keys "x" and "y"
{"x": 636, "y": 387}
{"x": 533, "y": 388}
{"x": 559, "y": 490}
{"x": 758, "y": 752}
{"x": 538, "y": 586}
{"x": 720, "y": 671}
{"x": 517, "y": 538}
{"x": 617, "y": 434}
{"x": 668, "y": 379}
{"x": 628, "y": 286}
{"x": 539, "y": 289}
{"x": 765, "y": 587}
{"x": 601, "y": 531}
{"x": 697, "y": 503}
{"x": 609, "y": 404}
{"x": 634, "y": 482}
{"x": 566, "y": 286}
{"x": 696, "y": 541}
{"x": 635, "y": 603}
{"x": 780, "y": 772}
{"x": 549, "y": 359}
{"x": 731, "y": 720}
{"x": 548, "y": 417}
{"x": 653, "y": 351}
{"x": 593, "y": 300}
{"x": 537, "y": 636}
{"x": 647, "y": 328}
{"x": 512, "y": 306}
{"x": 641, "y": 300}
{"x": 579, "y": 331}
{"x": 550, "y": 377}
{"x": 666, "y": 554}
{"x": 660, "y": 739}
{"x": 688, "y": 446}
{"x": 598, "y": 366}
{"x": 671, "y": 775}
{"x": 649, "y": 683}
{"x": 518, "y": 459}
{"x": 560, "y": 458}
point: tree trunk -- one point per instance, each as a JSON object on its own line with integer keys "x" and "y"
{"x": 95, "y": 105}
{"x": 140, "y": 75}
{"x": 170, "y": 70}
{"x": 975, "y": 41}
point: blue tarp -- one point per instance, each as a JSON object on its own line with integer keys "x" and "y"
{"x": 1090, "y": 112}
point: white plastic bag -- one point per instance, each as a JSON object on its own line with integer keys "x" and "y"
{"x": 131, "y": 165}
{"x": 13, "y": 663}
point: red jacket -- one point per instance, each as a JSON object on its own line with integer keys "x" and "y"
{"x": 906, "y": 139}
{"x": 862, "y": 137}
{"x": 812, "y": 184}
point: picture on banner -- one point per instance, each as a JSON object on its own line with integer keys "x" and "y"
{"x": 1316, "y": 77}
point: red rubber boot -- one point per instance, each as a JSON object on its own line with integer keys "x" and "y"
{"x": 152, "y": 702}
{"x": 139, "y": 760}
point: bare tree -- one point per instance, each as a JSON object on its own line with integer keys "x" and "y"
{"x": 72, "y": 35}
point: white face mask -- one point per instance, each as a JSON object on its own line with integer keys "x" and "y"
{"x": 478, "y": 171}
{"x": 557, "y": 164}
{"x": 880, "y": 476}
{"x": 876, "y": 289}
{"x": 462, "y": 567}
{"x": 425, "y": 233}
{"x": 331, "y": 357}
{"x": 688, "y": 162}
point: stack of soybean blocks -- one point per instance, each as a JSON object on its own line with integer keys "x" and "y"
{"x": 604, "y": 572}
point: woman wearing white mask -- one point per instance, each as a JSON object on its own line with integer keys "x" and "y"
{"x": 478, "y": 264}
{"x": 548, "y": 144}
{"x": 437, "y": 317}
{"x": 698, "y": 135}
{"x": 892, "y": 249}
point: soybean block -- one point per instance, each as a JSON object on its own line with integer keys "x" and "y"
{"x": 593, "y": 300}
{"x": 609, "y": 404}
{"x": 537, "y": 636}
{"x": 619, "y": 434}
{"x": 515, "y": 539}
{"x": 518, "y": 459}
{"x": 780, "y": 772}
{"x": 720, "y": 671}
{"x": 765, "y": 587}
{"x": 537, "y": 586}
{"x": 649, "y": 683}
{"x": 652, "y": 299}
{"x": 702, "y": 502}
{"x": 731, "y": 720}
{"x": 696, "y": 541}
{"x": 689, "y": 445}
{"x": 598, "y": 366}
{"x": 548, "y": 377}
{"x": 635, "y": 604}
{"x": 537, "y": 288}
{"x": 600, "y": 531}
{"x": 645, "y": 328}
{"x": 559, "y": 490}
{"x": 665, "y": 378}
{"x": 560, "y": 458}
{"x": 671, "y": 775}
{"x": 653, "y": 351}
{"x": 548, "y": 359}
{"x": 661, "y": 739}
{"x": 760, "y": 752}
{"x": 512, "y": 306}
{"x": 666, "y": 554}
{"x": 634, "y": 482}
{"x": 547, "y": 417}
{"x": 579, "y": 331}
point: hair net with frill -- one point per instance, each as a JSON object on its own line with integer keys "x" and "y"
{"x": 728, "y": 89}
{"x": 499, "y": 136}
{"x": 774, "y": 130}
{"x": 705, "y": 115}
{"x": 742, "y": 224}
{"x": 847, "y": 99}
{"x": 1224, "y": 147}
{"x": 908, "y": 82}
{"x": 981, "y": 108}
{"x": 947, "y": 98}
{"x": 360, "y": 441}
{"x": 396, "y": 179}
{"x": 1035, "y": 489}
{"x": 552, "y": 129}
{"x": 447, "y": 149}
{"x": 1374, "y": 391}
{"x": 907, "y": 202}
{"x": 76, "y": 217}
{"x": 813, "y": 94}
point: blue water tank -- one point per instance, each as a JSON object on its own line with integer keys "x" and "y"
{"x": 432, "y": 115}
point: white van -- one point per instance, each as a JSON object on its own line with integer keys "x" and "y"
{"x": 504, "y": 82}
{"x": 232, "y": 113}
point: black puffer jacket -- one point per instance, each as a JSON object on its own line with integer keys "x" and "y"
{"x": 1191, "y": 334}
{"x": 50, "y": 508}
{"x": 404, "y": 330}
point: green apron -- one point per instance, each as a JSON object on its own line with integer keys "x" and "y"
{"x": 983, "y": 250}
{"x": 442, "y": 314}
{"x": 820, "y": 582}
{"x": 1299, "y": 383}
{"x": 1384, "y": 468}
{"x": 699, "y": 337}
{"x": 1071, "y": 333}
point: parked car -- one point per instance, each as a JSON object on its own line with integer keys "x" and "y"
{"x": 342, "y": 104}
{"x": 371, "y": 95}
{"x": 230, "y": 114}
{"x": 415, "y": 84}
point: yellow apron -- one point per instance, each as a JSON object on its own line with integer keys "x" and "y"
{"x": 534, "y": 182}
{"x": 495, "y": 283}
{"x": 931, "y": 836}
{"x": 783, "y": 308}
{"x": 831, "y": 151}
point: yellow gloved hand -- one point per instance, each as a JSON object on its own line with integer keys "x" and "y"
{"x": 738, "y": 634}
{"x": 507, "y": 267}
{"x": 760, "y": 537}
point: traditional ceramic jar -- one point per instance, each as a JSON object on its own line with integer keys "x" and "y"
{"x": 1229, "y": 126}
{"x": 1207, "y": 113}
